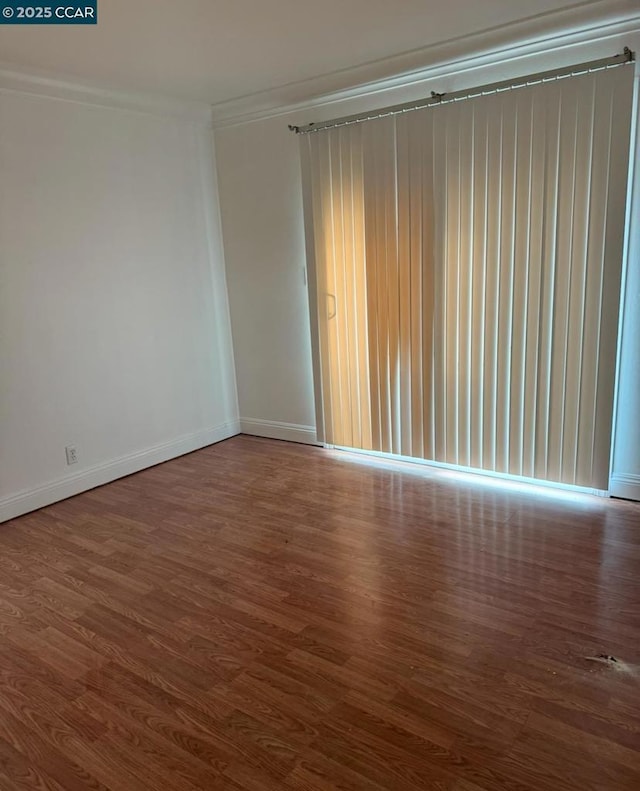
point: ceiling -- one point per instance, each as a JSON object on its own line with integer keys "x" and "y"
{"x": 218, "y": 50}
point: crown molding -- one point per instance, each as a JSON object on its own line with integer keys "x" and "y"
{"x": 16, "y": 79}
{"x": 580, "y": 24}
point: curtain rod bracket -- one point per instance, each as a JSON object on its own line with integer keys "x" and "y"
{"x": 438, "y": 96}
{"x": 299, "y": 129}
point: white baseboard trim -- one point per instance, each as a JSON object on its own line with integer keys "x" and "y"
{"x": 625, "y": 485}
{"x": 54, "y": 491}
{"x": 275, "y": 429}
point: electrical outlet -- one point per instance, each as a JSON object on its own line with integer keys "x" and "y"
{"x": 72, "y": 454}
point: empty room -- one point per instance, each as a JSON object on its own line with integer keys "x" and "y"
{"x": 319, "y": 395}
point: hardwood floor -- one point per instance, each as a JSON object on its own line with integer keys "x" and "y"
{"x": 262, "y": 615}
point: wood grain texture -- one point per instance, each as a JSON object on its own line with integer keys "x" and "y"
{"x": 261, "y": 615}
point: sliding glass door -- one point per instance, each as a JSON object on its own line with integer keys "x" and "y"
{"x": 468, "y": 263}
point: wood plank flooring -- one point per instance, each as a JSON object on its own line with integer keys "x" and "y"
{"x": 261, "y": 615}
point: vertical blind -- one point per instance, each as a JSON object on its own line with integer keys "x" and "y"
{"x": 468, "y": 261}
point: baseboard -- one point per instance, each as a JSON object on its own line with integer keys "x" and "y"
{"x": 274, "y": 429}
{"x": 54, "y": 491}
{"x": 625, "y": 485}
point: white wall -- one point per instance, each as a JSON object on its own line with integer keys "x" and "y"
{"x": 259, "y": 179}
{"x": 114, "y": 327}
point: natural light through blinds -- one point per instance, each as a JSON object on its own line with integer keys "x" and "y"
{"x": 468, "y": 263}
